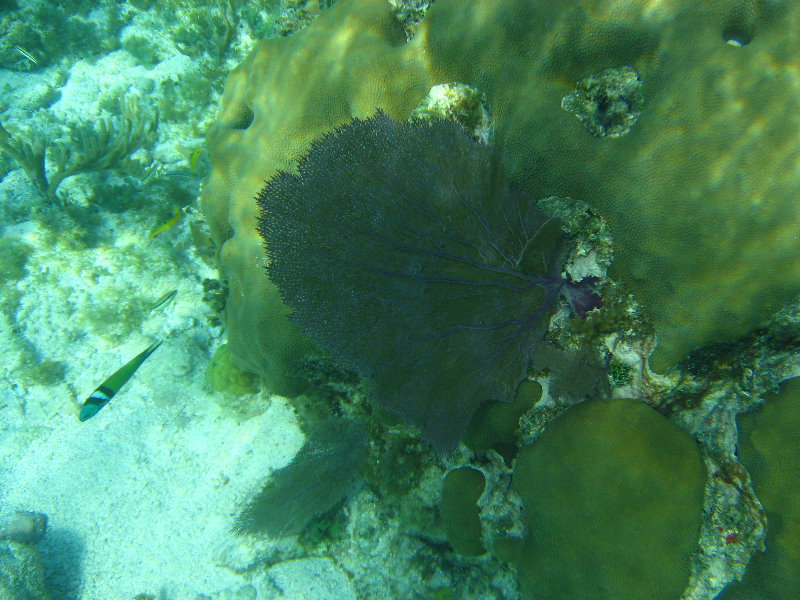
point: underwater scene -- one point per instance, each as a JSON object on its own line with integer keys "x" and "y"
{"x": 400, "y": 299}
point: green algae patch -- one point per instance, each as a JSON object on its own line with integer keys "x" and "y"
{"x": 223, "y": 376}
{"x": 15, "y": 254}
{"x": 461, "y": 490}
{"x": 612, "y": 493}
{"x": 769, "y": 447}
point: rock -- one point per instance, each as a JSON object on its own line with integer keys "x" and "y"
{"x": 25, "y": 527}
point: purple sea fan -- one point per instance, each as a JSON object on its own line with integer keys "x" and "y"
{"x": 401, "y": 250}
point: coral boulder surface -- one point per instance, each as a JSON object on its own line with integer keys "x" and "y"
{"x": 613, "y": 495}
{"x": 286, "y": 93}
{"x": 700, "y": 194}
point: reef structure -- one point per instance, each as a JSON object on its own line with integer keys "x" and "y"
{"x": 703, "y": 397}
{"x": 700, "y": 194}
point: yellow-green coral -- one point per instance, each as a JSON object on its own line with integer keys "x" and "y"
{"x": 613, "y": 496}
{"x": 458, "y": 508}
{"x": 223, "y": 376}
{"x": 701, "y": 194}
{"x": 287, "y": 92}
{"x": 769, "y": 447}
{"x": 494, "y": 423}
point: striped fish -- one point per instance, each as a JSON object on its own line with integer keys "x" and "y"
{"x": 106, "y": 390}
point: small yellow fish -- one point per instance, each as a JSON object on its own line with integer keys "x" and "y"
{"x": 193, "y": 157}
{"x": 164, "y": 300}
{"x": 171, "y": 222}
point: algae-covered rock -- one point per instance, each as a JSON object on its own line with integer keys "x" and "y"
{"x": 607, "y": 103}
{"x": 458, "y": 507}
{"x": 14, "y": 253}
{"x": 309, "y": 578}
{"x": 613, "y": 495}
{"x": 769, "y": 447}
{"x": 21, "y": 573}
{"x": 24, "y": 526}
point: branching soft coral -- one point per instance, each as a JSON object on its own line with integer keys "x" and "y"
{"x": 92, "y": 148}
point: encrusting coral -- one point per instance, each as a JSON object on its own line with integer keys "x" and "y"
{"x": 458, "y": 508}
{"x": 616, "y": 471}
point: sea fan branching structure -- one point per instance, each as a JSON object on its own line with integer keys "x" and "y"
{"x": 401, "y": 249}
{"x": 319, "y": 476}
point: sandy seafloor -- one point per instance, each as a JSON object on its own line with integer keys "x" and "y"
{"x": 141, "y": 498}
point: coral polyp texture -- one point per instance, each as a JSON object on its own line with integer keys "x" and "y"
{"x": 401, "y": 251}
{"x": 614, "y": 472}
{"x": 700, "y": 194}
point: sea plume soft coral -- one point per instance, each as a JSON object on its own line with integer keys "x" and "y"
{"x": 402, "y": 251}
{"x": 319, "y": 476}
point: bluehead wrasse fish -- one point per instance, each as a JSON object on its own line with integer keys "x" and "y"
{"x": 106, "y": 390}
{"x": 193, "y": 157}
{"x": 151, "y": 170}
{"x": 165, "y": 299}
{"x": 27, "y": 55}
{"x": 171, "y": 222}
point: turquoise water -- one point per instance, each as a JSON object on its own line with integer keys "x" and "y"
{"x": 245, "y": 458}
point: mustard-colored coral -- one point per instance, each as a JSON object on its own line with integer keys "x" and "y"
{"x": 769, "y": 447}
{"x": 288, "y": 91}
{"x": 613, "y": 495}
{"x": 701, "y": 194}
